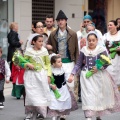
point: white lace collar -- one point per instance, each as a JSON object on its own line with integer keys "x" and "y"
{"x": 93, "y": 53}
{"x": 31, "y": 52}
{"x": 57, "y": 71}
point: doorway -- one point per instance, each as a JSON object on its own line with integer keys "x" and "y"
{"x": 97, "y": 9}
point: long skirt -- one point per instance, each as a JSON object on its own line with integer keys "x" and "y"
{"x": 99, "y": 94}
{"x": 74, "y": 106}
{"x": 37, "y": 92}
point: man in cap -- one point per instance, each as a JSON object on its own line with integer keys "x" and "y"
{"x": 64, "y": 42}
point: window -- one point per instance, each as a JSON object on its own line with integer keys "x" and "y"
{"x": 40, "y": 8}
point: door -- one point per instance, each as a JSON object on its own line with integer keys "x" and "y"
{"x": 97, "y": 9}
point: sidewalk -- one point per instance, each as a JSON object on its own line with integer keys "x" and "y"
{"x": 8, "y": 89}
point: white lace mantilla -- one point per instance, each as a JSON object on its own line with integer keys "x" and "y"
{"x": 94, "y": 52}
{"x": 36, "y": 55}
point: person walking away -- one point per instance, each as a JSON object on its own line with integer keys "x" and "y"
{"x": 99, "y": 92}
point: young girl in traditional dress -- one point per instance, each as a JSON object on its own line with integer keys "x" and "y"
{"x": 4, "y": 74}
{"x": 36, "y": 78}
{"x": 99, "y": 93}
{"x": 65, "y": 103}
{"x": 17, "y": 79}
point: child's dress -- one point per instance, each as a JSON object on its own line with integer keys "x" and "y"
{"x": 36, "y": 81}
{"x": 18, "y": 82}
{"x": 4, "y": 73}
{"x": 64, "y": 104}
{"x": 99, "y": 93}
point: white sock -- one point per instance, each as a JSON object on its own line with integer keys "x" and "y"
{"x": 28, "y": 115}
{"x": 53, "y": 118}
{"x": 88, "y": 118}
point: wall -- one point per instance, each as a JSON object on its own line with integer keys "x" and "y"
{"x": 70, "y": 7}
{"x": 23, "y": 16}
{"x": 113, "y": 9}
{"x": 10, "y": 11}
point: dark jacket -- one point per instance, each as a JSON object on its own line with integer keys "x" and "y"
{"x": 14, "y": 43}
{"x": 72, "y": 43}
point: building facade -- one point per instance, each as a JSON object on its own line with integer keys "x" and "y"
{"x": 24, "y": 12}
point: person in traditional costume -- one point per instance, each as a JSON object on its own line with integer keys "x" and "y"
{"x": 99, "y": 92}
{"x": 36, "y": 78}
{"x": 17, "y": 80}
{"x": 64, "y": 103}
{"x": 112, "y": 40}
{"x": 64, "y": 42}
{"x": 4, "y": 74}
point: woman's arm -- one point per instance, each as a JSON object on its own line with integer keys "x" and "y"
{"x": 47, "y": 65}
{"x": 79, "y": 63}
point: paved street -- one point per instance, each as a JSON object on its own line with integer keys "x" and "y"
{"x": 14, "y": 110}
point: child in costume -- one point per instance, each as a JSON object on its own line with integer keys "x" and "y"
{"x": 66, "y": 102}
{"x": 4, "y": 74}
{"x": 36, "y": 78}
{"x": 17, "y": 79}
{"x": 99, "y": 93}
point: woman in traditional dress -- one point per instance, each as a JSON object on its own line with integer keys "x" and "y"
{"x": 36, "y": 78}
{"x": 99, "y": 93}
{"x": 112, "y": 40}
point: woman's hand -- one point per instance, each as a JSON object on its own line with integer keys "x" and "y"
{"x": 70, "y": 79}
{"x": 53, "y": 87}
{"x": 118, "y": 49}
{"x": 21, "y": 42}
{"x": 30, "y": 66}
{"x": 94, "y": 69}
{"x": 7, "y": 81}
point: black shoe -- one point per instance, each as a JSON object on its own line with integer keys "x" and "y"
{"x": 79, "y": 100}
{"x": 18, "y": 98}
{"x": 98, "y": 118}
{"x": 39, "y": 116}
{"x": 63, "y": 117}
{"x": 1, "y": 105}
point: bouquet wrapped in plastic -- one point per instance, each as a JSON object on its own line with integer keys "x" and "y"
{"x": 113, "y": 51}
{"x": 56, "y": 92}
{"x": 99, "y": 63}
{"x": 19, "y": 60}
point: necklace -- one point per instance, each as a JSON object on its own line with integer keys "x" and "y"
{"x": 113, "y": 33}
{"x": 90, "y": 51}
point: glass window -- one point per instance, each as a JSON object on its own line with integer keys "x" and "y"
{"x": 3, "y": 26}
